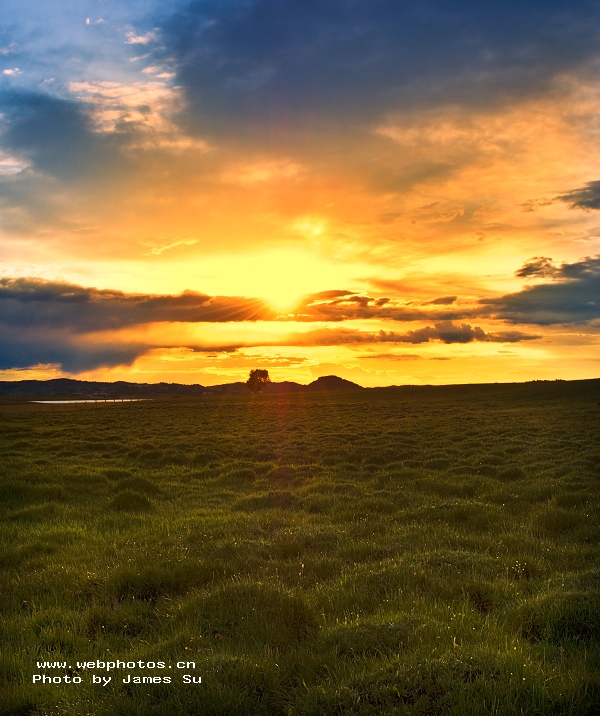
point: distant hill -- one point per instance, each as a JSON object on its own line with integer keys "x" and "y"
{"x": 68, "y": 388}
{"x": 332, "y": 382}
{"x": 82, "y": 389}
{"x": 328, "y": 382}
{"x": 227, "y": 388}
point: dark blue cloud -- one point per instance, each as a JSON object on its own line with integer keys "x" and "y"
{"x": 444, "y": 331}
{"x": 285, "y": 65}
{"x": 540, "y": 266}
{"x": 56, "y": 139}
{"x": 47, "y": 321}
{"x": 24, "y": 349}
{"x": 587, "y": 197}
{"x": 449, "y": 332}
{"x": 443, "y": 300}
{"x": 30, "y": 302}
{"x": 572, "y": 297}
{"x": 56, "y": 136}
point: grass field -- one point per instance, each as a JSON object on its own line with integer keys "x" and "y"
{"x": 415, "y": 551}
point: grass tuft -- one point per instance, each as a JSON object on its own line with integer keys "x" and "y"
{"x": 562, "y": 618}
{"x": 130, "y": 501}
{"x": 250, "y": 614}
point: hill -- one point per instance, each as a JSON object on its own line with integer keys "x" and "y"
{"x": 332, "y": 382}
{"x": 69, "y": 388}
{"x": 82, "y": 389}
{"x": 325, "y": 383}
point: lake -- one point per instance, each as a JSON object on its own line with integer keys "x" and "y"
{"x": 90, "y": 400}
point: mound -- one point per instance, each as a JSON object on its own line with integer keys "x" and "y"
{"x": 332, "y": 382}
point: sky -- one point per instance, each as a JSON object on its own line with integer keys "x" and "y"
{"x": 391, "y": 192}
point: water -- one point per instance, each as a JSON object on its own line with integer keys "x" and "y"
{"x": 92, "y": 400}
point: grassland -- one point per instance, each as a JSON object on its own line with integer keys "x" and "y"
{"x": 418, "y": 551}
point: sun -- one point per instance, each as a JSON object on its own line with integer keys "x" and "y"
{"x": 280, "y": 277}
{"x": 283, "y": 279}
{"x": 287, "y": 275}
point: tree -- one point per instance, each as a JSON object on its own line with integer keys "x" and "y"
{"x": 257, "y": 379}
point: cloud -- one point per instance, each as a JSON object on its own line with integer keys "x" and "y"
{"x": 31, "y": 302}
{"x": 108, "y": 154}
{"x": 534, "y": 204}
{"x": 544, "y": 267}
{"x": 587, "y": 197}
{"x": 9, "y": 49}
{"x": 448, "y": 332}
{"x": 347, "y": 305}
{"x": 108, "y": 135}
{"x": 390, "y": 356}
{"x": 540, "y": 266}
{"x": 276, "y": 65}
{"x": 572, "y": 297}
{"x": 444, "y": 331}
{"x": 443, "y": 300}
{"x": 56, "y": 322}
{"x": 158, "y": 250}
{"x": 56, "y": 136}
{"x": 261, "y": 172}
{"x": 136, "y": 106}
{"x": 23, "y": 348}
{"x": 135, "y": 39}
{"x": 388, "y": 217}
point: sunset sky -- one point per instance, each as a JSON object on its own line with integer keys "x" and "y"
{"x": 392, "y": 191}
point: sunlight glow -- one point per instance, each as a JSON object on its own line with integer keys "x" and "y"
{"x": 281, "y": 277}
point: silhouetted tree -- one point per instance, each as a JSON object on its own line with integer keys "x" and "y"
{"x": 257, "y": 379}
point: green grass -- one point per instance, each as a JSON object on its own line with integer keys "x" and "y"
{"x": 424, "y": 551}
